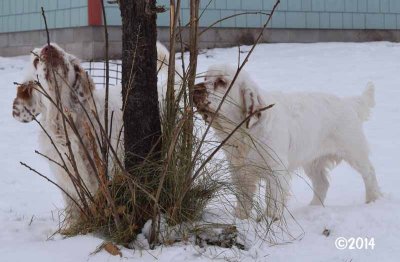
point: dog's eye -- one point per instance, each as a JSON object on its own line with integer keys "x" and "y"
{"x": 215, "y": 85}
{"x": 35, "y": 62}
{"x": 219, "y": 83}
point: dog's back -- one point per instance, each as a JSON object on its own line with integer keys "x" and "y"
{"x": 317, "y": 123}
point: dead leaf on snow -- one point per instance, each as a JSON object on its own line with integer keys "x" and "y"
{"x": 109, "y": 247}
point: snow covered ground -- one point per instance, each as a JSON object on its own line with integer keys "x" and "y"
{"x": 29, "y": 205}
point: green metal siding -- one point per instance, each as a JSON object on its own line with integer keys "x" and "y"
{"x": 25, "y": 15}
{"x": 313, "y": 14}
{"x": 113, "y": 14}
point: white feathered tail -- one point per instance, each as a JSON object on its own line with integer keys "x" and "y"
{"x": 162, "y": 58}
{"x": 365, "y": 102}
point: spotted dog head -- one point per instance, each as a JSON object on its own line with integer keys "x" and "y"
{"x": 242, "y": 101}
{"x": 61, "y": 72}
{"x": 27, "y": 103}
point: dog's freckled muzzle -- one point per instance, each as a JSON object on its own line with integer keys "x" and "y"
{"x": 200, "y": 100}
{"x": 199, "y": 94}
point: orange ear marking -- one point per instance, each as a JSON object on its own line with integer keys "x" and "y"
{"x": 250, "y": 105}
{"x": 24, "y": 91}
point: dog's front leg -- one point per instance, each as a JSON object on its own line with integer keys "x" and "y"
{"x": 277, "y": 192}
{"x": 245, "y": 186}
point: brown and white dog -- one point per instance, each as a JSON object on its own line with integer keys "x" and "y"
{"x": 64, "y": 81}
{"x": 309, "y": 130}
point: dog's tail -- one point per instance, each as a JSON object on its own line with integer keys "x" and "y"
{"x": 365, "y": 102}
{"x": 162, "y": 58}
{"x": 163, "y": 61}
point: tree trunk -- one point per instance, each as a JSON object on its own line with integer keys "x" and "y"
{"x": 142, "y": 128}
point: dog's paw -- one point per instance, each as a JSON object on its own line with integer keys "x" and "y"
{"x": 373, "y": 196}
{"x": 316, "y": 202}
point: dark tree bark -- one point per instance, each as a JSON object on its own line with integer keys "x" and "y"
{"x": 142, "y": 128}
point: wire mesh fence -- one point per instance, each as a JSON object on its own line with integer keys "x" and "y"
{"x": 97, "y": 70}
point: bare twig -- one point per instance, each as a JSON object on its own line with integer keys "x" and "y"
{"x": 194, "y": 25}
{"x": 232, "y": 16}
{"x": 54, "y": 183}
{"x": 174, "y": 16}
{"x": 227, "y": 138}
{"x": 45, "y": 24}
{"x": 105, "y": 146}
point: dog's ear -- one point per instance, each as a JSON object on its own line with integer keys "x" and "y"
{"x": 251, "y": 103}
{"x": 34, "y": 61}
{"x": 83, "y": 84}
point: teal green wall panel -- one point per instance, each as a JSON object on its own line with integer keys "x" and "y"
{"x": 394, "y": 5}
{"x": 283, "y": 6}
{"x": 252, "y": 5}
{"x": 350, "y": 6}
{"x": 359, "y": 21}
{"x": 317, "y": 6}
{"x": 347, "y": 21}
{"x": 294, "y": 5}
{"x": 324, "y": 20}
{"x": 240, "y": 21}
{"x": 306, "y": 5}
{"x": 219, "y": 4}
{"x": 234, "y": 4}
{"x": 334, "y": 5}
{"x": 113, "y": 16}
{"x": 278, "y": 20}
{"x": 375, "y": 21}
{"x": 209, "y": 17}
{"x": 325, "y": 14}
{"x": 295, "y": 20}
{"x": 362, "y": 6}
{"x": 228, "y": 22}
{"x": 25, "y": 15}
{"x": 253, "y": 20}
{"x": 336, "y": 20}
{"x": 312, "y": 20}
{"x": 390, "y": 21}
{"x": 373, "y": 6}
{"x": 384, "y": 5}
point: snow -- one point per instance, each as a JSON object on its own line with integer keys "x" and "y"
{"x": 29, "y": 206}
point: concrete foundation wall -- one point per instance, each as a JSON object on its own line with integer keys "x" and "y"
{"x": 84, "y": 42}
{"x": 87, "y": 43}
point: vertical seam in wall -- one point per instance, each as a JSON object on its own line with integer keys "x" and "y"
{"x": 384, "y": 21}
{"x": 357, "y": 6}
{"x": 319, "y": 19}
{"x": 365, "y": 20}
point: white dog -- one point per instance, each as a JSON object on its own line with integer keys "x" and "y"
{"x": 313, "y": 131}
{"x": 66, "y": 82}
